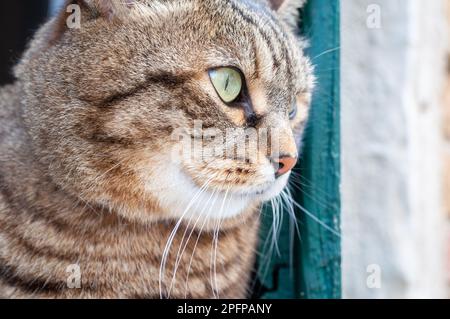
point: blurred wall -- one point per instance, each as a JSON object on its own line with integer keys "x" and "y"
{"x": 393, "y": 76}
{"x": 446, "y": 156}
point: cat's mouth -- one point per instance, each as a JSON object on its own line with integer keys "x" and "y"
{"x": 232, "y": 200}
{"x": 263, "y": 192}
{"x": 186, "y": 193}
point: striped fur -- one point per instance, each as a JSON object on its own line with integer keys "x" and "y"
{"x": 86, "y": 176}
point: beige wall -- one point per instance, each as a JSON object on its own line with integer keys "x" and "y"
{"x": 446, "y": 132}
{"x": 392, "y": 79}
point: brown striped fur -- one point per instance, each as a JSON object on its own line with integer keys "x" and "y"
{"x": 85, "y": 171}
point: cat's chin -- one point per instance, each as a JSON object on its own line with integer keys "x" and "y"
{"x": 265, "y": 192}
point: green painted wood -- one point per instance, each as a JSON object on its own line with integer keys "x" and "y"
{"x": 309, "y": 267}
{"x": 320, "y": 249}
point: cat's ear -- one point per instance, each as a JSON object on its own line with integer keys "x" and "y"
{"x": 288, "y": 10}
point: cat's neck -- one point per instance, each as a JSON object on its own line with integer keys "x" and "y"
{"x": 117, "y": 258}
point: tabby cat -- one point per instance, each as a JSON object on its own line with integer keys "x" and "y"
{"x": 94, "y": 200}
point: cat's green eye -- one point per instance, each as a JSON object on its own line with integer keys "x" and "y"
{"x": 227, "y": 82}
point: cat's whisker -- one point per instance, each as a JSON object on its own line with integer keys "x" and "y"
{"x": 287, "y": 195}
{"x": 216, "y": 239}
{"x": 300, "y": 186}
{"x": 97, "y": 178}
{"x": 181, "y": 248}
{"x": 317, "y": 200}
{"x": 299, "y": 179}
{"x": 316, "y": 219}
{"x": 211, "y": 275}
{"x": 268, "y": 247}
{"x": 260, "y": 252}
{"x": 281, "y": 214}
{"x": 179, "y": 256}
{"x": 277, "y": 203}
{"x": 293, "y": 225}
{"x": 305, "y": 211}
{"x": 276, "y": 225}
{"x": 173, "y": 233}
{"x": 325, "y": 53}
{"x": 197, "y": 241}
{"x": 171, "y": 237}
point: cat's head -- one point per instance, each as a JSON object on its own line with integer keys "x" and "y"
{"x": 114, "y": 105}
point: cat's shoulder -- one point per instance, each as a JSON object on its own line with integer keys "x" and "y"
{"x": 9, "y": 106}
{"x": 13, "y": 137}
{"x": 8, "y": 92}
{"x": 10, "y": 119}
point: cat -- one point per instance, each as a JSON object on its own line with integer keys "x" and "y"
{"x": 95, "y": 199}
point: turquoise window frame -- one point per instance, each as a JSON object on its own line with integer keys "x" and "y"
{"x": 309, "y": 265}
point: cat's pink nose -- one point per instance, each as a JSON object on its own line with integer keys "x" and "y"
{"x": 283, "y": 164}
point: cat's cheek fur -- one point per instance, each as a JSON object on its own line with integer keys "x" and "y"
{"x": 201, "y": 205}
{"x": 182, "y": 198}
{"x": 185, "y": 199}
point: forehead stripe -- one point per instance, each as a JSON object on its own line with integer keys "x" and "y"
{"x": 282, "y": 39}
{"x": 278, "y": 34}
{"x": 268, "y": 39}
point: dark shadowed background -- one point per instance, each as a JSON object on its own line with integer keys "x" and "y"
{"x": 18, "y": 21}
